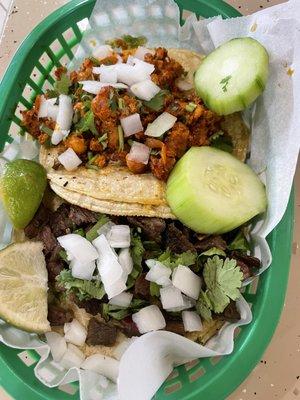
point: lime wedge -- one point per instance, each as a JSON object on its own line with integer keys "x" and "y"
{"x": 23, "y": 287}
{"x": 22, "y": 188}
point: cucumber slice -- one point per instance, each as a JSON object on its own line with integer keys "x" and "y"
{"x": 233, "y": 76}
{"x": 211, "y": 191}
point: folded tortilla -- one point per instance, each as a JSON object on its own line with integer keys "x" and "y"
{"x": 115, "y": 190}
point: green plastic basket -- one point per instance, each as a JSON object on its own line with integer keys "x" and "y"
{"x": 51, "y": 44}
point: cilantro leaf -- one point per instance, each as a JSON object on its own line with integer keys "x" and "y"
{"x": 154, "y": 289}
{"x": 157, "y": 102}
{"x": 213, "y": 251}
{"x": 137, "y": 251}
{"x": 87, "y": 123}
{"x": 240, "y": 242}
{"x": 221, "y": 141}
{"x": 62, "y": 86}
{"x": 83, "y": 289}
{"x": 204, "y": 306}
{"x": 172, "y": 261}
{"x": 223, "y": 280}
{"x": 92, "y": 233}
{"x": 119, "y": 313}
{"x": 127, "y": 41}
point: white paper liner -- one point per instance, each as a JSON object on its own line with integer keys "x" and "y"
{"x": 274, "y": 122}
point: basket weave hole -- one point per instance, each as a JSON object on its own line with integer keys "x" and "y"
{"x": 83, "y": 25}
{"x": 69, "y": 34}
{"x": 45, "y": 60}
{"x": 28, "y": 93}
{"x": 56, "y": 46}
{"x": 47, "y": 85}
{"x": 237, "y": 331}
{"x": 173, "y": 388}
{"x": 20, "y": 107}
{"x": 68, "y": 388}
{"x": 197, "y": 374}
{"x": 14, "y": 132}
{"x": 174, "y": 374}
{"x": 191, "y": 364}
{"x": 27, "y": 358}
{"x": 214, "y": 360}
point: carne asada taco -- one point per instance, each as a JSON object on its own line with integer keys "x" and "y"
{"x": 118, "y": 149}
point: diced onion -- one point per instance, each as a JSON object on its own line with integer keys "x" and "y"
{"x": 119, "y": 236}
{"x": 160, "y": 125}
{"x": 48, "y": 108}
{"x": 139, "y": 152}
{"x": 191, "y": 321}
{"x": 142, "y": 51}
{"x": 57, "y": 344}
{"x": 131, "y": 74}
{"x": 125, "y": 260}
{"x": 79, "y": 247}
{"x": 11, "y": 151}
{"x": 157, "y": 272}
{"x": 187, "y": 303}
{"x": 140, "y": 65}
{"x": 107, "y": 366}
{"x": 29, "y": 149}
{"x": 94, "y": 87}
{"x": 110, "y": 270}
{"x": 120, "y": 349}
{"x": 75, "y": 333}
{"x": 102, "y": 51}
{"x": 149, "y": 319}
{"x": 122, "y": 299}
{"x": 58, "y": 136}
{"x": 69, "y": 159}
{"x": 164, "y": 281}
{"x": 172, "y": 299}
{"x": 145, "y": 90}
{"x": 183, "y": 85}
{"x": 104, "y": 229}
{"x": 73, "y": 357}
{"x": 65, "y": 113}
{"x": 108, "y": 73}
{"x": 131, "y": 124}
{"x": 82, "y": 270}
{"x": 187, "y": 281}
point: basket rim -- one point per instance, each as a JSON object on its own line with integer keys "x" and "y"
{"x": 275, "y": 280}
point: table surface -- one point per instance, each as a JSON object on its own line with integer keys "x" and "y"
{"x": 277, "y": 374}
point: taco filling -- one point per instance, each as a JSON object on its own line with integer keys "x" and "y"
{"x": 131, "y": 107}
{"x": 168, "y": 274}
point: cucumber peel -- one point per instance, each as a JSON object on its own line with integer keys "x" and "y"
{"x": 233, "y": 76}
{"x": 212, "y": 192}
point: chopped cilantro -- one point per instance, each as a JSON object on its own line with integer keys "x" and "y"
{"x": 87, "y": 123}
{"x": 224, "y": 82}
{"x": 113, "y": 102}
{"x": 128, "y": 42}
{"x": 119, "y": 313}
{"x": 62, "y": 86}
{"x": 223, "y": 280}
{"x": 157, "y": 102}
{"x": 83, "y": 289}
{"x": 121, "y": 138}
{"x": 95, "y": 61}
{"x": 46, "y": 129}
{"x": 172, "y": 261}
{"x": 51, "y": 93}
{"x": 63, "y": 255}
{"x": 103, "y": 140}
{"x": 213, "y": 251}
{"x": 221, "y": 141}
{"x": 190, "y": 107}
{"x": 80, "y": 232}
{"x": 154, "y": 289}
{"x": 121, "y": 103}
{"x": 240, "y": 243}
{"x": 93, "y": 232}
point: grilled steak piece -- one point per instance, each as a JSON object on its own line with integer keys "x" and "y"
{"x": 177, "y": 241}
{"x": 142, "y": 287}
{"x": 60, "y": 222}
{"x": 101, "y": 333}
{"x": 40, "y": 219}
{"x": 248, "y": 264}
{"x": 46, "y": 236}
{"x": 92, "y": 306}
{"x": 209, "y": 242}
{"x": 175, "y": 327}
{"x": 231, "y": 312}
{"x": 58, "y": 316}
{"x": 129, "y": 328}
{"x": 152, "y": 228}
{"x": 80, "y": 216}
